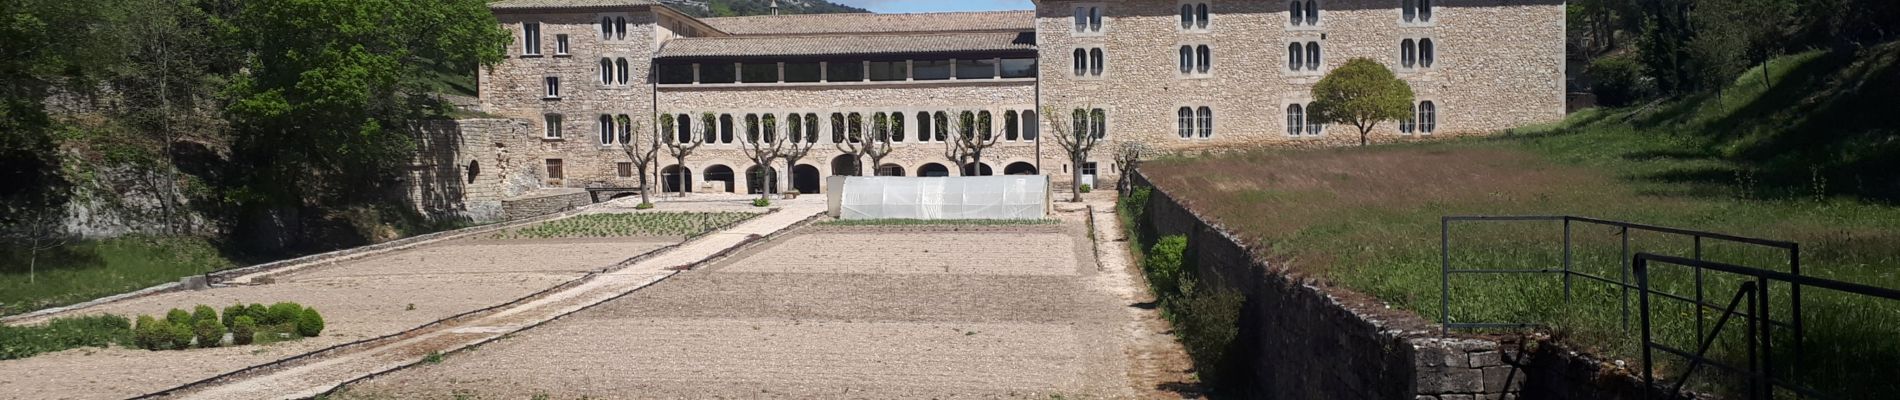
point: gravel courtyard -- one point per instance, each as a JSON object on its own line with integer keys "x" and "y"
{"x": 832, "y": 312}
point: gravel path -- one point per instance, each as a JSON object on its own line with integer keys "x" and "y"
{"x": 839, "y": 312}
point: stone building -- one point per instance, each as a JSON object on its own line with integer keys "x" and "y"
{"x": 1175, "y": 74}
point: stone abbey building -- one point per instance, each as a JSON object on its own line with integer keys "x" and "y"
{"x": 1179, "y": 75}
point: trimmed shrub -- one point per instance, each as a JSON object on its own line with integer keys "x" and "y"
{"x": 310, "y": 323}
{"x": 178, "y": 317}
{"x": 1087, "y": 188}
{"x": 1207, "y": 320}
{"x": 1619, "y": 81}
{"x": 209, "y": 332}
{"x": 243, "y": 330}
{"x": 203, "y": 313}
{"x": 1164, "y": 264}
{"x": 282, "y": 313}
{"x": 761, "y": 203}
{"x": 149, "y": 334}
{"x": 180, "y": 336}
{"x": 257, "y": 312}
{"x": 230, "y": 315}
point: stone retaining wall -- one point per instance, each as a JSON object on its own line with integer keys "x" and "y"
{"x": 1303, "y": 339}
{"x": 544, "y": 203}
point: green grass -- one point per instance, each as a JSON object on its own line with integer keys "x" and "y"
{"x": 18, "y": 342}
{"x": 629, "y": 225}
{"x": 938, "y": 222}
{"x": 94, "y": 269}
{"x": 1368, "y": 219}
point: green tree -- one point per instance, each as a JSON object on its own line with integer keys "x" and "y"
{"x": 1361, "y": 93}
{"x": 334, "y": 87}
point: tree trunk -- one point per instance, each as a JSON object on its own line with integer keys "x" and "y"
{"x": 681, "y": 179}
{"x": 645, "y": 189}
{"x": 33, "y": 263}
{"x": 1075, "y": 180}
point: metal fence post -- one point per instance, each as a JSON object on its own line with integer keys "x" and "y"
{"x": 1698, "y": 288}
{"x": 1794, "y": 290}
{"x": 1623, "y": 276}
{"x": 1767, "y": 341}
{"x": 1444, "y": 276}
{"x": 1754, "y": 317}
{"x": 1566, "y": 260}
{"x": 1642, "y": 282}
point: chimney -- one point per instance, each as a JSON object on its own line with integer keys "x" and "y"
{"x": 774, "y": 7}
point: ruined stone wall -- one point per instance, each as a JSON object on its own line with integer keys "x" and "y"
{"x": 1499, "y": 64}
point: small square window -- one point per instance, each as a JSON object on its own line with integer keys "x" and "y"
{"x": 555, "y": 169}
{"x": 626, "y": 169}
{"x": 552, "y": 127}
{"x": 560, "y": 45}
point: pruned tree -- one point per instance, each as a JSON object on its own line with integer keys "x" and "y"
{"x": 1128, "y": 156}
{"x": 852, "y": 142}
{"x": 1085, "y": 131}
{"x": 1361, "y": 93}
{"x": 642, "y": 152}
{"x": 952, "y": 148}
{"x": 971, "y": 131}
{"x": 760, "y": 146}
{"x": 878, "y": 144}
{"x": 682, "y": 147}
{"x": 803, "y": 136}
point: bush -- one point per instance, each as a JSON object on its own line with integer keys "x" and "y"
{"x": 1164, "y": 265}
{"x": 1618, "y": 81}
{"x": 243, "y": 330}
{"x": 257, "y": 312}
{"x": 62, "y": 334}
{"x": 282, "y": 313}
{"x": 310, "y": 323}
{"x": 644, "y": 206}
{"x": 231, "y": 313}
{"x": 180, "y": 335}
{"x": 1087, "y": 188}
{"x": 1207, "y": 321}
{"x": 150, "y": 334}
{"x": 178, "y": 317}
{"x": 203, "y": 313}
{"x": 209, "y": 332}
{"x": 761, "y": 202}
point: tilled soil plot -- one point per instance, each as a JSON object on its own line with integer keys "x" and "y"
{"x": 832, "y": 312}
{"x": 359, "y": 299}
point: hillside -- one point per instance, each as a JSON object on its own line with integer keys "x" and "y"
{"x": 740, "y": 8}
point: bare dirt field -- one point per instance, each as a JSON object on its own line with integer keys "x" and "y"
{"x": 836, "y": 312}
{"x": 359, "y": 299}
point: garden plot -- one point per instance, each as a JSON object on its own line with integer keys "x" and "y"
{"x": 360, "y": 299}
{"x": 827, "y": 313}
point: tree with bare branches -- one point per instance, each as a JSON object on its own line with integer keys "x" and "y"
{"x": 877, "y": 145}
{"x": 682, "y": 147}
{"x": 1085, "y": 129}
{"x": 1128, "y": 156}
{"x": 803, "y": 136}
{"x": 761, "y": 145}
{"x": 971, "y": 131}
{"x": 36, "y": 230}
{"x": 642, "y": 152}
{"x": 852, "y": 142}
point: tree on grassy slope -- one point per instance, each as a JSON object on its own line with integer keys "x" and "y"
{"x": 1361, "y": 93}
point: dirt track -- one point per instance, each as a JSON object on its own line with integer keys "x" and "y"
{"x": 834, "y": 312}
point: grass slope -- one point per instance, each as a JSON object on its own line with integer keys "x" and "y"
{"x": 1368, "y": 218}
{"x": 95, "y": 269}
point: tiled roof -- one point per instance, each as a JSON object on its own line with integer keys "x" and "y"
{"x": 537, "y": 4}
{"x": 844, "y": 45}
{"x": 873, "y": 23}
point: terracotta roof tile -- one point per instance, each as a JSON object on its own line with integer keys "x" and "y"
{"x": 842, "y": 45}
{"x": 873, "y": 23}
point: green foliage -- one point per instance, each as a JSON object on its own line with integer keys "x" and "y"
{"x": 63, "y": 333}
{"x": 1619, "y": 81}
{"x": 178, "y": 317}
{"x": 88, "y": 270}
{"x": 1208, "y": 320}
{"x": 629, "y": 225}
{"x": 257, "y": 312}
{"x": 209, "y": 332}
{"x": 150, "y": 334}
{"x": 243, "y": 330}
{"x": 644, "y": 206}
{"x": 761, "y": 203}
{"x": 204, "y": 313}
{"x": 434, "y": 357}
{"x": 231, "y": 313}
{"x": 309, "y": 323}
{"x": 1361, "y": 93}
{"x": 179, "y": 335}
{"x": 1085, "y": 188}
{"x": 1165, "y": 264}
{"x": 283, "y": 313}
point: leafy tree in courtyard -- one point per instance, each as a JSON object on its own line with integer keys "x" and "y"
{"x": 334, "y": 89}
{"x": 1361, "y": 93}
{"x": 641, "y": 153}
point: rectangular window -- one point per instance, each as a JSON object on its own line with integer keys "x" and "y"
{"x": 976, "y": 69}
{"x": 626, "y": 169}
{"x": 930, "y": 70}
{"x": 554, "y": 169}
{"x": 1019, "y": 68}
{"x": 554, "y": 87}
{"x": 1088, "y": 168}
{"x": 718, "y": 73}
{"x": 844, "y": 71}
{"x": 759, "y": 72}
{"x": 672, "y": 74}
{"x": 889, "y": 70}
{"x": 551, "y": 128}
{"x": 531, "y": 38}
{"x": 802, "y": 72}
{"x": 560, "y": 45}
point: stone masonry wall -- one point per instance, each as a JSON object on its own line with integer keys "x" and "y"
{"x": 1499, "y": 65}
{"x": 1303, "y": 339}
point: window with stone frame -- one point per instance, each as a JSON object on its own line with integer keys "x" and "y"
{"x": 1203, "y": 59}
{"x": 1184, "y": 122}
{"x": 1295, "y": 56}
{"x": 606, "y": 130}
{"x": 625, "y": 169}
{"x": 718, "y": 73}
{"x": 625, "y": 123}
{"x": 1098, "y": 123}
{"x": 980, "y": 68}
{"x": 606, "y": 28}
{"x": 1296, "y": 12}
{"x": 1408, "y": 53}
{"x": 551, "y": 126}
{"x": 1011, "y": 130}
{"x": 1312, "y": 56}
{"x": 560, "y": 45}
{"x": 886, "y": 71}
{"x": 1081, "y": 62}
{"x": 1312, "y": 13}
{"x": 675, "y": 74}
{"x": 1313, "y": 125}
{"x": 1295, "y": 120}
{"x": 923, "y": 126}
{"x": 531, "y": 39}
{"x": 1427, "y": 53}
{"x": 624, "y": 70}
{"x": 1409, "y": 124}
{"x": 606, "y": 71}
{"x": 765, "y": 72}
{"x": 1019, "y": 67}
{"x": 844, "y": 71}
{"x": 1097, "y": 62}
{"x": 897, "y": 126}
{"x": 1416, "y": 11}
{"x": 1194, "y": 17}
{"x": 620, "y": 28}
{"x": 1427, "y": 117}
{"x": 1088, "y": 18}
{"x": 556, "y": 169}
{"x": 1205, "y": 121}
{"x": 803, "y": 72}
{"x": 553, "y": 84}
{"x": 725, "y": 128}
{"x": 929, "y": 70}
{"x": 1030, "y": 124}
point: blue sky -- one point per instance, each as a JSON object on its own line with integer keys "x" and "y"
{"x": 913, "y": 6}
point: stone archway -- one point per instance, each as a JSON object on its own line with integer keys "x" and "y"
{"x": 673, "y": 177}
{"x": 1019, "y": 168}
{"x": 933, "y": 169}
{"x": 890, "y": 170}
{"x": 720, "y": 174}
{"x": 761, "y": 180}
{"x": 806, "y": 179}
{"x": 978, "y": 169}
{"x": 844, "y": 164}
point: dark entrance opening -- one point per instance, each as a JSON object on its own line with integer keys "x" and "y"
{"x": 1019, "y": 168}
{"x": 805, "y": 179}
{"x": 720, "y": 174}
{"x": 933, "y": 169}
{"x": 761, "y": 180}
{"x": 671, "y": 179}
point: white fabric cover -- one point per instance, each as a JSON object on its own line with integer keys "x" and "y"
{"x": 973, "y": 197}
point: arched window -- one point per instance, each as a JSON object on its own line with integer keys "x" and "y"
{"x": 1081, "y": 19}
{"x": 1095, "y": 19}
{"x": 1312, "y": 56}
{"x": 1201, "y": 12}
{"x": 1426, "y": 53}
{"x": 626, "y": 128}
{"x": 1295, "y": 120}
{"x": 1096, "y": 60}
{"x": 1206, "y": 115}
{"x": 1313, "y": 125}
{"x": 1187, "y": 59}
{"x": 620, "y": 28}
{"x": 1098, "y": 123}
{"x": 1427, "y": 117}
{"x": 606, "y": 129}
{"x": 725, "y": 128}
{"x": 606, "y": 71}
{"x": 923, "y": 126}
{"x": 837, "y": 127}
{"x": 1425, "y": 10}
{"x": 1410, "y": 9}
{"x": 1295, "y": 12}
{"x": 811, "y": 127}
{"x": 897, "y": 127}
{"x": 1408, "y": 53}
{"x": 1081, "y": 62}
{"x": 1029, "y": 125}
{"x": 1409, "y": 124}
{"x": 943, "y": 126}
{"x": 1312, "y": 13}
{"x": 752, "y": 128}
{"x": 855, "y": 124}
{"x": 1010, "y": 128}
{"x": 797, "y": 124}
{"x": 1187, "y": 16}
{"x": 1293, "y": 57}
{"x": 1184, "y": 122}
{"x": 1205, "y": 58}
{"x": 606, "y": 28}
{"x": 626, "y": 72}
{"x": 685, "y": 133}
